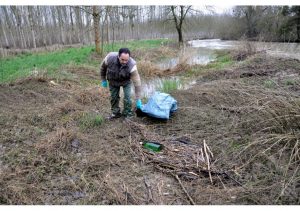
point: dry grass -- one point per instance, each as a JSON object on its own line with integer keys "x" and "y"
{"x": 245, "y": 50}
{"x": 154, "y": 54}
{"x": 250, "y": 154}
{"x": 147, "y": 60}
{"x": 260, "y": 129}
{"x": 149, "y": 70}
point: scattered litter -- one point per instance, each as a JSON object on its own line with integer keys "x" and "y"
{"x": 53, "y": 83}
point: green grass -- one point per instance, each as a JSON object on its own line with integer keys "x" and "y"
{"x": 290, "y": 82}
{"x": 24, "y": 65}
{"x": 169, "y": 85}
{"x": 89, "y": 120}
{"x": 269, "y": 84}
{"x": 223, "y": 60}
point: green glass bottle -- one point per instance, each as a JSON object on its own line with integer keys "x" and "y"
{"x": 153, "y": 146}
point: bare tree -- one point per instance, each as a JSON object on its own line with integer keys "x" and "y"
{"x": 107, "y": 12}
{"x": 131, "y": 16}
{"x": 250, "y": 16}
{"x": 124, "y": 17}
{"x": 36, "y": 26}
{"x": 18, "y": 21}
{"x": 293, "y": 21}
{"x": 179, "y": 15}
{"x": 79, "y": 24}
{"x": 88, "y": 27}
{"x": 4, "y": 32}
{"x": 30, "y": 14}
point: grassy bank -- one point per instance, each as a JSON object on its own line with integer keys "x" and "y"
{"x": 60, "y": 149}
{"x": 24, "y": 65}
{"x": 223, "y": 60}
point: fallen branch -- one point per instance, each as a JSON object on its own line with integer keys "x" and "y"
{"x": 207, "y": 159}
{"x": 148, "y": 186}
{"x": 184, "y": 190}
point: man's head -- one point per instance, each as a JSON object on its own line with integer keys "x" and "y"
{"x": 124, "y": 54}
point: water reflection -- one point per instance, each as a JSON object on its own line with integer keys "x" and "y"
{"x": 190, "y": 55}
{"x": 291, "y": 50}
{"x": 157, "y": 84}
{"x": 212, "y": 44}
{"x": 202, "y": 52}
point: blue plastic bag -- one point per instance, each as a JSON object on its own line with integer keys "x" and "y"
{"x": 160, "y": 105}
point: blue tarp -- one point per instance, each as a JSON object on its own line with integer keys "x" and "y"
{"x": 160, "y": 105}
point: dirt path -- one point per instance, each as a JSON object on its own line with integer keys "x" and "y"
{"x": 243, "y": 113}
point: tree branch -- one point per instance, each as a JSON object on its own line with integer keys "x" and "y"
{"x": 83, "y": 9}
{"x": 174, "y": 16}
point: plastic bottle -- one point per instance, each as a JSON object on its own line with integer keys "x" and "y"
{"x": 153, "y": 146}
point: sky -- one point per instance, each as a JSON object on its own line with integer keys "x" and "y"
{"x": 217, "y": 8}
{"x": 221, "y": 3}
{"x": 220, "y": 6}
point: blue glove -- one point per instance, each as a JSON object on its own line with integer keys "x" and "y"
{"x": 138, "y": 104}
{"x": 104, "y": 83}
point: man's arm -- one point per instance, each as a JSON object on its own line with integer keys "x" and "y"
{"x": 135, "y": 78}
{"x": 103, "y": 68}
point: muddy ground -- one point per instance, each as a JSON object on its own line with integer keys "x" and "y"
{"x": 247, "y": 114}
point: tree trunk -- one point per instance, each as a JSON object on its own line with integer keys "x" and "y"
{"x": 102, "y": 35}
{"x": 87, "y": 28}
{"x": 26, "y": 27}
{"x": 54, "y": 35}
{"x": 72, "y": 25}
{"x": 30, "y": 14}
{"x": 49, "y": 26}
{"x": 138, "y": 22}
{"x": 107, "y": 23}
{"x": 61, "y": 23}
{"x": 123, "y": 23}
{"x": 298, "y": 24}
{"x": 96, "y": 17}
{"x": 4, "y": 34}
{"x": 41, "y": 27}
{"x": 10, "y": 27}
{"x": 180, "y": 37}
{"x": 18, "y": 34}
{"x": 66, "y": 25}
{"x": 177, "y": 25}
{"x": 78, "y": 24}
{"x": 178, "y": 20}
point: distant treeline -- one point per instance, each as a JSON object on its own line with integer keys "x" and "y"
{"x": 28, "y": 27}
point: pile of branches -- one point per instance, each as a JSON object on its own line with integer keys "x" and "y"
{"x": 179, "y": 157}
